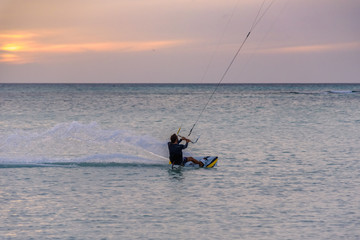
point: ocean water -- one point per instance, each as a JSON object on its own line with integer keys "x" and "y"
{"x": 90, "y": 162}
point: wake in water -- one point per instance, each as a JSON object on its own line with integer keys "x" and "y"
{"x": 81, "y": 144}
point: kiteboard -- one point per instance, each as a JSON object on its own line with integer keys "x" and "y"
{"x": 209, "y": 162}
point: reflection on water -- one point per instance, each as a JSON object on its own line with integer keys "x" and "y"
{"x": 176, "y": 174}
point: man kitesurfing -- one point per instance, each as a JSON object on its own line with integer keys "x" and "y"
{"x": 175, "y": 151}
{"x": 175, "y": 148}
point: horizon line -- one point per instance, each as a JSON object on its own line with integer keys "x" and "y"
{"x": 154, "y": 83}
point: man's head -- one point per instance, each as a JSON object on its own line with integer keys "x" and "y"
{"x": 173, "y": 138}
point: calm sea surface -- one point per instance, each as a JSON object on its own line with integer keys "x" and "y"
{"x": 90, "y": 162}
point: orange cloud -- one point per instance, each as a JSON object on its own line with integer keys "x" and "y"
{"x": 315, "y": 48}
{"x": 12, "y": 58}
{"x": 21, "y": 47}
{"x": 97, "y": 47}
{"x": 17, "y": 35}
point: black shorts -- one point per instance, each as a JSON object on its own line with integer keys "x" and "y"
{"x": 185, "y": 160}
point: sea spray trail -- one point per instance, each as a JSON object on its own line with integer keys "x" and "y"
{"x": 80, "y": 143}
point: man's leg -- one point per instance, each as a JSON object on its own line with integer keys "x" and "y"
{"x": 195, "y": 161}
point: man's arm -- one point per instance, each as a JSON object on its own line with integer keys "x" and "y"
{"x": 187, "y": 142}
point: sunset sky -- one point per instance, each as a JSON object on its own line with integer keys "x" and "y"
{"x": 178, "y": 41}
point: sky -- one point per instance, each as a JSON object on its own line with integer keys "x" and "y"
{"x": 179, "y": 41}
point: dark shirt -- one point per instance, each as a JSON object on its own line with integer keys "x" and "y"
{"x": 175, "y": 150}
